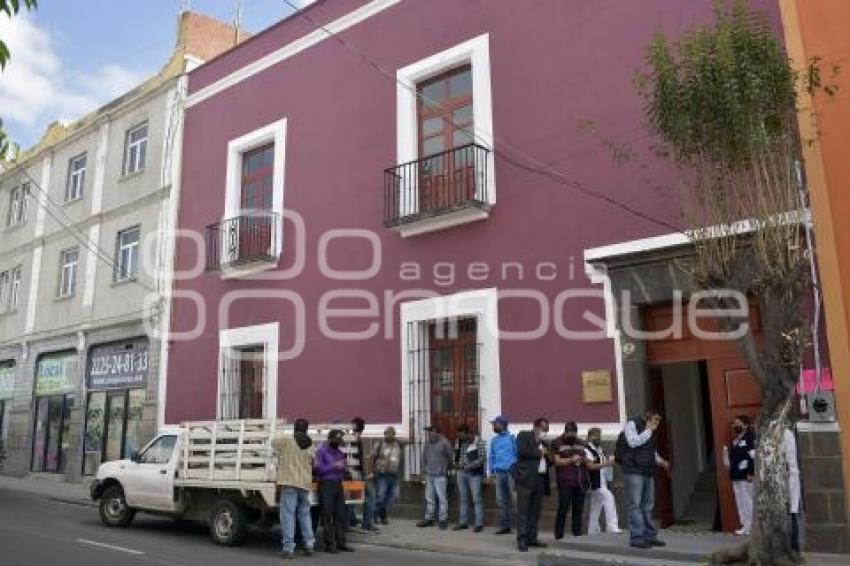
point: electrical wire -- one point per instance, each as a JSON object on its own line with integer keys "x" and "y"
{"x": 537, "y": 167}
{"x": 99, "y": 252}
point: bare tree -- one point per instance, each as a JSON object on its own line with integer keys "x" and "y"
{"x": 722, "y": 100}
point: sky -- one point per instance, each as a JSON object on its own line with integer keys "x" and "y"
{"x": 70, "y": 57}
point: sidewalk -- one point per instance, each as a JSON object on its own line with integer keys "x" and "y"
{"x": 50, "y": 487}
{"x": 682, "y": 548}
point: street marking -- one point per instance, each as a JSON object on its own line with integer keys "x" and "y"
{"x": 109, "y": 546}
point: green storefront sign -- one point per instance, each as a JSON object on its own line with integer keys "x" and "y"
{"x": 56, "y": 374}
{"x": 7, "y": 381}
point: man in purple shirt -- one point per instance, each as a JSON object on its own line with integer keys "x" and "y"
{"x": 329, "y": 469}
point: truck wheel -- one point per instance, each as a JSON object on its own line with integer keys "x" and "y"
{"x": 228, "y": 523}
{"x": 113, "y": 508}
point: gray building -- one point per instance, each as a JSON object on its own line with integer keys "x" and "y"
{"x": 87, "y": 219}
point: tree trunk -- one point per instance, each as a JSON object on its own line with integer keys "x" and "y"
{"x": 770, "y": 541}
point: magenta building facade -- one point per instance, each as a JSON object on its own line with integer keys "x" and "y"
{"x": 550, "y": 82}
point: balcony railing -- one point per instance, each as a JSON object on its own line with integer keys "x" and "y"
{"x": 245, "y": 239}
{"x": 436, "y": 185}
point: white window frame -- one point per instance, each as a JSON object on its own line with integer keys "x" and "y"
{"x": 75, "y": 186}
{"x": 68, "y": 272}
{"x": 132, "y": 249}
{"x": 474, "y": 52}
{"x": 17, "y": 213}
{"x": 481, "y": 304}
{"x": 134, "y": 149}
{"x": 270, "y": 133}
{"x": 265, "y": 335}
{"x": 10, "y": 289}
{"x": 5, "y": 290}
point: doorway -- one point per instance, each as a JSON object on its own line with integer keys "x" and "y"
{"x": 701, "y": 386}
{"x": 454, "y": 376}
{"x": 688, "y": 496}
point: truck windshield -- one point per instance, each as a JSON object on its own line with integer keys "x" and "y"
{"x": 159, "y": 452}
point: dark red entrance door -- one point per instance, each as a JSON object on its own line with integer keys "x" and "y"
{"x": 454, "y": 375}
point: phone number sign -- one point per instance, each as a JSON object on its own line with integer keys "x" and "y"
{"x": 118, "y": 366}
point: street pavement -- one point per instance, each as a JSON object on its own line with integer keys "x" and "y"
{"x": 44, "y": 521}
{"x": 36, "y": 531}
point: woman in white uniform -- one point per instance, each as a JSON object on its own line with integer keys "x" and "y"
{"x": 739, "y": 457}
{"x": 601, "y": 472}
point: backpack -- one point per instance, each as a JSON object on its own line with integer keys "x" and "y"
{"x": 621, "y": 447}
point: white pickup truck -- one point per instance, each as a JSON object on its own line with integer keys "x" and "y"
{"x": 219, "y": 472}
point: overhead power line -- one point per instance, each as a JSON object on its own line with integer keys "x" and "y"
{"x": 536, "y": 166}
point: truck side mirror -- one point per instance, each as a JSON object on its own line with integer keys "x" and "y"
{"x": 135, "y": 457}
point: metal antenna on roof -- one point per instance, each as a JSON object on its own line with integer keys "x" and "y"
{"x": 237, "y": 21}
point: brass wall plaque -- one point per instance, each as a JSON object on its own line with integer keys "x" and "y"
{"x": 596, "y": 386}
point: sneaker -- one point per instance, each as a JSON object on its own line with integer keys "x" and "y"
{"x": 478, "y": 529}
{"x": 614, "y": 531}
{"x": 425, "y": 523}
{"x": 657, "y": 542}
{"x": 640, "y": 544}
{"x": 444, "y": 525}
{"x": 503, "y": 531}
{"x": 460, "y": 528}
{"x": 742, "y": 532}
{"x": 537, "y": 544}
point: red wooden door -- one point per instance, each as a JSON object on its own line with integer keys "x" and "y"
{"x": 447, "y": 176}
{"x": 663, "y": 486}
{"x": 733, "y": 392}
{"x": 256, "y": 201}
{"x": 454, "y": 376}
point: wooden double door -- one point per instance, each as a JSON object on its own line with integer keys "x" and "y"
{"x": 454, "y": 376}
{"x": 732, "y": 391}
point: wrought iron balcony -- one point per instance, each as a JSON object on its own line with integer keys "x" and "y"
{"x": 437, "y": 185}
{"x": 245, "y": 239}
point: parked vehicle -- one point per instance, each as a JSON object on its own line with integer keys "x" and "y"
{"x": 221, "y": 473}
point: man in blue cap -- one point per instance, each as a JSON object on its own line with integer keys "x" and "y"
{"x": 502, "y": 457}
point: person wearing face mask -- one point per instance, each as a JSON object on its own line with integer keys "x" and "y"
{"x": 530, "y": 475}
{"x": 601, "y": 471}
{"x": 330, "y": 468}
{"x": 739, "y": 457}
{"x": 571, "y": 471}
{"x": 295, "y": 476}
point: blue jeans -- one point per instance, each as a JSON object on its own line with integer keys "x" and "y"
{"x": 386, "y": 486}
{"x": 469, "y": 487}
{"x": 436, "y": 497}
{"x": 295, "y": 503}
{"x": 640, "y": 499}
{"x": 504, "y": 496}
{"x": 368, "y": 505}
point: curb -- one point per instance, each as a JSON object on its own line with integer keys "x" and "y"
{"x": 437, "y": 549}
{"x": 628, "y": 552}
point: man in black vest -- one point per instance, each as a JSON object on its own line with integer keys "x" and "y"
{"x": 638, "y": 458}
{"x": 530, "y": 476}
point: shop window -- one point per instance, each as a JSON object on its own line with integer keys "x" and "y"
{"x": 55, "y": 383}
{"x": 50, "y": 448}
{"x": 116, "y": 375}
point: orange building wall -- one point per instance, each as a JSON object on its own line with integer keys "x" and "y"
{"x": 821, "y": 28}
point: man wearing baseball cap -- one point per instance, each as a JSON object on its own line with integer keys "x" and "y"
{"x": 502, "y": 457}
